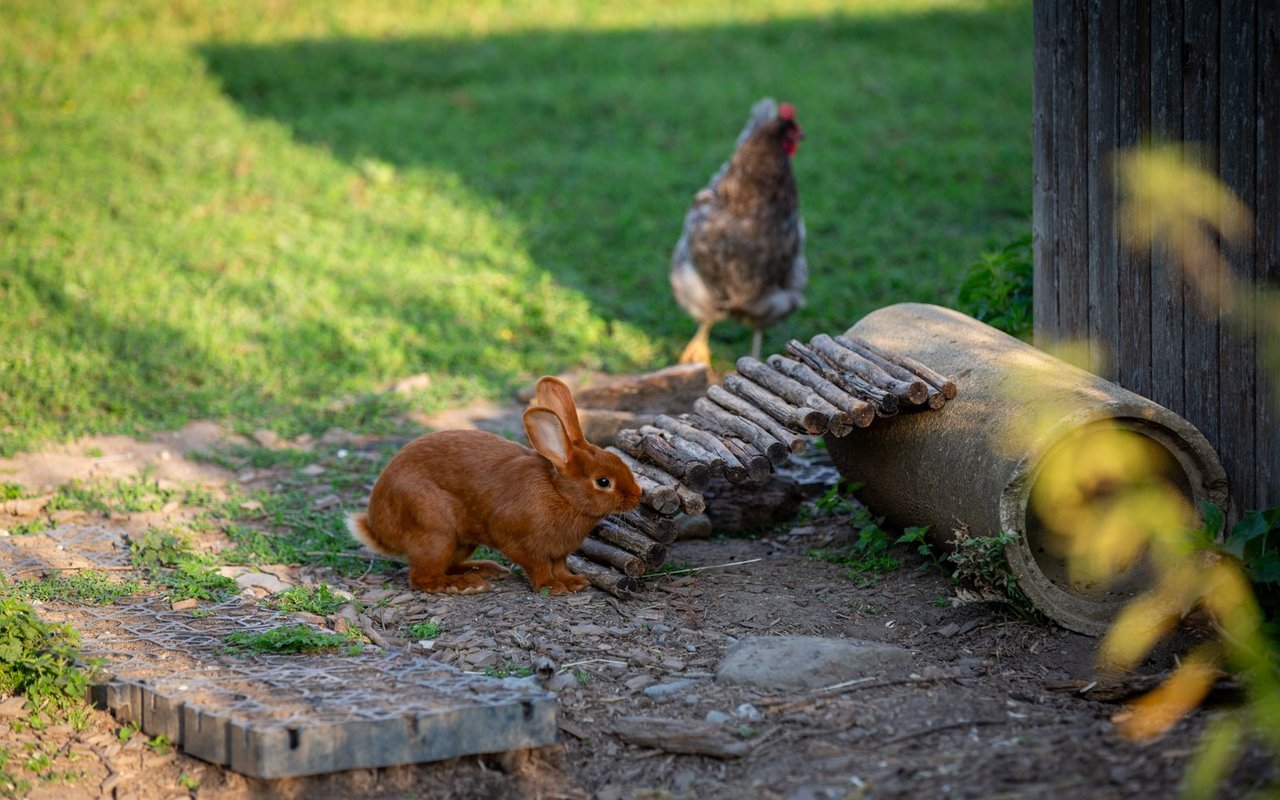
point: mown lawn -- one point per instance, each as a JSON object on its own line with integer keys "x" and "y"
{"x": 263, "y": 213}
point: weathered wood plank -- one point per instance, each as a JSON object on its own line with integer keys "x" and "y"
{"x": 1120, "y": 73}
{"x": 1166, "y": 282}
{"x": 1044, "y": 175}
{"x": 1267, "y": 211}
{"x": 1200, "y": 313}
{"x": 1071, "y": 117}
{"x": 1104, "y": 281}
{"x": 1133, "y": 112}
{"x": 1237, "y": 364}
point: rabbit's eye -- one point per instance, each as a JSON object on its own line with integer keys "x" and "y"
{"x": 603, "y": 483}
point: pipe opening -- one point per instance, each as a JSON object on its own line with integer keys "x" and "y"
{"x": 1099, "y": 481}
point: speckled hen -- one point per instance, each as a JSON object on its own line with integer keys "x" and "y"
{"x": 741, "y": 253}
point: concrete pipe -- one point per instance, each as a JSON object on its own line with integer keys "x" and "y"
{"x": 967, "y": 466}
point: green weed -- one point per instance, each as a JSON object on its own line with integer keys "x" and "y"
{"x": 419, "y": 631}
{"x": 980, "y": 562}
{"x": 289, "y": 639}
{"x": 11, "y": 785}
{"x": 869, "y": 556}
{"x": 169, "y": 561}
{"x": 160, "y": 745}
{"x": 318, "y": 600}
{"x": 127, "y": 731}
{"x": 12, "y": 491}
{"x": 41, "y": 661}
{"x": 1255, "y": 541}
{"x": 37, "y": 525}
{"x": 997, "y": 289}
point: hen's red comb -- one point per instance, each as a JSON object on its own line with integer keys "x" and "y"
{"x": 787, "y": 111}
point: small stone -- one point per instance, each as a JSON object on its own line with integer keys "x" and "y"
{"x": 183, "y": 605}
{"x": 328, "y": 501}
{"x": 663, "y": 690}
{"x": 748, "y": 712}
{"x": 479, "y": 657}
{"x": 262, "y": 580}
{"x": 639, "y": 682}
{"x": 716, "y": 717}
{"x": 412, "y": 384}
{"x": 696, "y": 526}
{"x": 266, "y": 438}
{"x": 561, "y": 682}
{"x": 312, "y": 470}
{"x": 337, "y": 436}
{"x": 13, "y": 707}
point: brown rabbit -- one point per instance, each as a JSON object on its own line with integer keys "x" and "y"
{"x": 445, "y": 493}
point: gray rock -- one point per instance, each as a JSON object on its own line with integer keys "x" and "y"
{"x": 748, "y": 712}
{"x": 662, "y": 690}
{"x": 807, "y": 662}
{"x": 717, "y": 717}
{"x": 262, "y": 580}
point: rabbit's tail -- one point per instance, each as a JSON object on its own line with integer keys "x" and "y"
{"x": 358, "y": 525}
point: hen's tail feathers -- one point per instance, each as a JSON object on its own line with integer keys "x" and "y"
{"x": 358, "y": 525}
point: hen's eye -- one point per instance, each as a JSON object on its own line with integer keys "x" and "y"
{"x": 603, "y": 483}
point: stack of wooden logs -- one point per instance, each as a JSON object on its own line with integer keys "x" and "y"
{"x": 742, "y": 430}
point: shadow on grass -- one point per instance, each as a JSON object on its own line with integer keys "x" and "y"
{"x": 918, "y": 153}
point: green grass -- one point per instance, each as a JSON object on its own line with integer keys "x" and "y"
{"x": 89, "y": 587}
{"x": 129, "y": 495}
{"x": 262, "y": 214}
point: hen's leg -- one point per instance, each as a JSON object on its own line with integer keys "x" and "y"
{"x": 757, "y": 339}
{"x": 698, "y": 350}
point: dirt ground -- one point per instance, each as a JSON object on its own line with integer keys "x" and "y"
{"x": 986, "y": 708}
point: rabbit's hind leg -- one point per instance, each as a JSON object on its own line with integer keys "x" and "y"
{"x": 430, "y": 559}
{"x": 463, "y": 563}
{"x": 571, "y": 581}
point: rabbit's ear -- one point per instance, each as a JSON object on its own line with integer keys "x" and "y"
{"x": 548, "y": 436}
{"x": 554, "y": 394}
